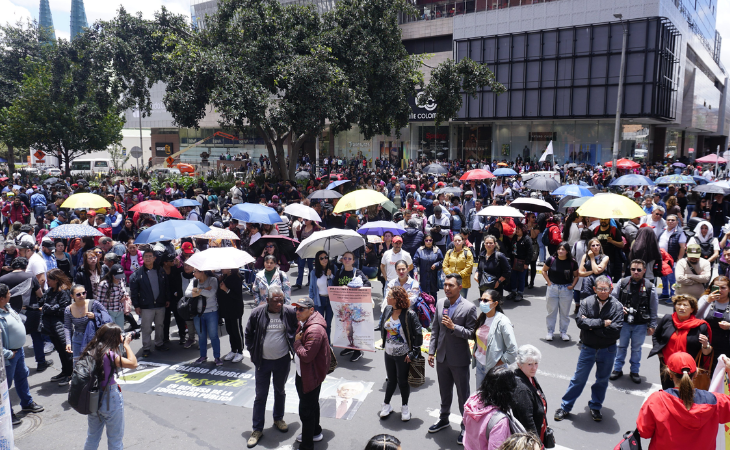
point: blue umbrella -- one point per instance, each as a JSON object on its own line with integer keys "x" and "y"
{"x": 504, "y": 172}
{"x": 171, "y": 229}
{"x": 334, "y": 184}
{"x": 574, "y": 190}
{"x": 184, "y": 202}
{"x": 582, "y": 183}
{"x": 632, "y": 180}
{"x": 73, "y": 230}
{"x": 379, "y": 227}
{"x": 254, "y": 213}
{"x": 701, "y": 180}
{"x": 675, "y": 179}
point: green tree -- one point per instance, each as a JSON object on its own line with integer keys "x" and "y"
{"x": 62, "y": 108}
{"x": 287, "y": 71}
{"x": 119, "y": 156}
{"x": 18, "y": 43}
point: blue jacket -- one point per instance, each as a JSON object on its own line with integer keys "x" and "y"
{"x": 101, "y": 316}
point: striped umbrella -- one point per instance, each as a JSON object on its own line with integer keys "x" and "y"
{"x": 73, "y": 230}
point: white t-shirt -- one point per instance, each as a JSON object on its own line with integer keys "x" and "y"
{"x": 658, "y": 225}
{"x": 389, "y": 260}
{"x": 664, "y": 239}
{"x": 36, "y": 264}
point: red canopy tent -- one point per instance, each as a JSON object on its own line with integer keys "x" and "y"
{"x": 477, "y": 174}
{"x": 711, "y": 159}
{"x": 624, "y": 163}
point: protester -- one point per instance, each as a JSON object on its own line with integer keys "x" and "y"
{"x": 713, "y": 309}
{"x": 205, "y": 286}
{"x": 53, "y": 305}
{"x": 75, "y": 318}
{"x": 529, "y": 403}
{"x": 692, "y": 273}
{"x": 494, "y": 336}
{"x": 561, "y": 274}
{"x": 493, "y": 268}
{"x": 230, "y": 309}
{"x": 493, "y": 396}
{"x": 459, "y": 260}
{"x": 270, "y": 276}
{"x": 148, "y": 290}
{"x": 428, "y": 261}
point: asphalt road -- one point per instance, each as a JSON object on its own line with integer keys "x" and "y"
{"x": 161, "y": 423}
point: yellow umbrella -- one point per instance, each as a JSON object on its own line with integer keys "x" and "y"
{"x": 359, "y": 199}
{"x": 610, "y": 206}
{"x": 85, "y": 201}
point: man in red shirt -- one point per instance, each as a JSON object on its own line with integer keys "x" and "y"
{"x": 16, "y": 211}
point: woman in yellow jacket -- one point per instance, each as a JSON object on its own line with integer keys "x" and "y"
{"x": 460, "y": 260}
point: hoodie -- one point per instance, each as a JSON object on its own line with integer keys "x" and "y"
{"x": 476, "y": 420}
{"x": 664, "y": 419}
{"x": 313, "y": 352}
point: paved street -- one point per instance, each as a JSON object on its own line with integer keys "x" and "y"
{"x": 161, "y": 423}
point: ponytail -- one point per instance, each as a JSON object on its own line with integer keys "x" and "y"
{"x": 687, "y": 390}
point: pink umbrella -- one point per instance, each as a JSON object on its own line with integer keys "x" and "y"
{"x": 477, "y": 174}
{"x": 158, "y": 208}
{"x": 711, "y": 159}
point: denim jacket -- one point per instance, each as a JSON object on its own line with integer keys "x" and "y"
{"x": 501, "y": 342}
{"x": 314, "y": 289}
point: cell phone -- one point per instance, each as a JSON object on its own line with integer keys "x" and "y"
{"x": 714, "y": 289}
{"x": 718, "y": 314}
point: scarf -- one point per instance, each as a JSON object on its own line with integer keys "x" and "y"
{"x": 698, "y": 232}
{"x": 678, "y": 340}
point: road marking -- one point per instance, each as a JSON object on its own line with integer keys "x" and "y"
{"x": 644, "y": 393}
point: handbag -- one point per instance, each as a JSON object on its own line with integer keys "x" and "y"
{"x": 518, "y": 265}
{"x": 487, "y": 281}
{"x": 630, "y": 441}
{"x": 222, "y": 329}
{"x": 549, "y": 441}
{"x": 416, "y": 367}
{"x": 702, "y": 378}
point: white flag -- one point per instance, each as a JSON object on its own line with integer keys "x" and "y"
{"x": 719, "y": 385}
{"x": 548, "y": 151}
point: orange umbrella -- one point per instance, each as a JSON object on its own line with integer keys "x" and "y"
{"x": 624, "y": 163}
{"x": 502, "y": 164}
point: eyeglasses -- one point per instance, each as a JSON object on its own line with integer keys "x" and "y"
{"x": 269, "y": 246}
{"x": 324, "y": 258}
{"x": 80, "y": 294}
{"x": 347, "y": 258}
{"x": 301, "y": 308}
{"x": 428, "y": 240}
{"x": 276, "y": 299}
{"x": 636, "y": 269}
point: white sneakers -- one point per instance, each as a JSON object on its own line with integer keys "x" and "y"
{"x": 317, "y": 437}
{"x": 229, "y": 356}
{"x": 405, "y": 413}
{"x": 564, "y": 336}
{"x": 385, "y": 410}
{"x": 238, "y": 358}
{"x": 549, "y": 337}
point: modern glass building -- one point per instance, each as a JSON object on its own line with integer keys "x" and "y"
{"x": 78, "y": 17}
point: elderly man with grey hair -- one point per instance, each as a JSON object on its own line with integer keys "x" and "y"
{"x": 269, "y": 338}
{"x": 656, "y": 220}
{"x": 9, "y": 253}
{"x": 528, "y": 396}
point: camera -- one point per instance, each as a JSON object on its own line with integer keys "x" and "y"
{"x": 630, "y": 315}
{"x": 135, "y": 334}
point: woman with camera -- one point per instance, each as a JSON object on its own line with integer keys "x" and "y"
{"x": 713, "y": 309}
{"x": 103, "y": 350}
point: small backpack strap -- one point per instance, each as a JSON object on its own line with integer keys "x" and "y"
{"x": 496, "y": 417}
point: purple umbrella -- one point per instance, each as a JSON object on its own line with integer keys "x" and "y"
{"x": 679, "y": 164}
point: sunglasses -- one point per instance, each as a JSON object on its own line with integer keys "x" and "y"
{"x": 269, "y": 246}
{"x": 80, "y": 294}
{"x": 635, "y": 269}
{"x": 301, "y": 308}
{"x": 324, "y": 258}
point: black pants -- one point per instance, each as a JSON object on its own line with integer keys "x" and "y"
{"x": 234, "y": 327}
{"x": 308, "y": 414}
{"x": 67, "y": 363}
{"x": 181, "y": 326}
{"x": 476, "y": 238}
{"x": 396, "y": 368}
{"x": 533, "y": 272}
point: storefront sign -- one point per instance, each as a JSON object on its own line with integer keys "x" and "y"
{"x": 163, "y": 148}
{"x": 359, "y": 145}
{"x": 542, "y": 136}
{"x": 421, "y": 113}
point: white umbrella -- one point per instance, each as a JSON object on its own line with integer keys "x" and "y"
{"x": 500, "y": 211}
{"x": 532, "y": 204}
{"x": 333, "y": 241}
{"x": 303, "y": 211}
{"x": 218, "y": 258}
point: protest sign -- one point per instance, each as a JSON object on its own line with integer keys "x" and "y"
{"x": 352, "y": 325}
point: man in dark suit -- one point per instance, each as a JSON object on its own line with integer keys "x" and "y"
{"x": 345, "y": 404}
{"x": 450, "y": 345}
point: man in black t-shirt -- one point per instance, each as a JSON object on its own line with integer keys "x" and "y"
{"x": 612, "y": 242}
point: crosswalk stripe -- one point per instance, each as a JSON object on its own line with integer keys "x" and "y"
{"x": 644, "y": 393}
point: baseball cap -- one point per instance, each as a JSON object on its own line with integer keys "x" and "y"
{"x": 187, "y": 248}
{"x": 680, "y": 361}
{"x": 117, "y": 271}
{"x": 47, "y": 243}
{"x": 694, "y": 251}
{"x": 25, "y": 244}
{"x": 305, "y": 303}
{"x": 469, "y": 193}
{"x": 397, "y": 239}
{"x": 91, "y": 213}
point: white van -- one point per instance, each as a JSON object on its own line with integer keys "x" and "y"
{"x": 90, "y": 166}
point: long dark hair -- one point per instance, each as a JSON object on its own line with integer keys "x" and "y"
{"x": 107, "y": 339}
{"x": 496, "y": 297}
{"x": 646, "y": 246}
{"x": 566, "y": 246}
{"x": 568, "y": 222}
{"x": 57, "y": 275}
{"x": 276, "y": 253}
{"x": 498, "y": 387}
{"x": 318, "y": 269}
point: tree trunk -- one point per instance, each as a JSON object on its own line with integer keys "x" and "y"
{"x": 11, "y": 162}
{"x": 296, "y": 147}
{"x": 281, "y": 159}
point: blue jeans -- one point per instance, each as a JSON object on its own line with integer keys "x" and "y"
{"x": 464, "y": 291}
{"x": 636, "y": 334}
{"x": 111, "y": 415}
{"x": 518, "y": 281}
{"x": 207, "y": 326}
{"x": 278, "y": 369}
{"x": 481, "y": 373}
{"x": 541, "y": 256}
{"x": 77, "y": 340}
{"x": 559, "y": 298}
{"x": 603, "y": 359}
{"x": 118, "y": 317}
{"x": 325, "y": 309}
{"x": 17, "y": 371}
{"x": 300, "y": 268}
{"x": 667, "y": 283}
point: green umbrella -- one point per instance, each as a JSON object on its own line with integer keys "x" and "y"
{"x": 390, "y": 207}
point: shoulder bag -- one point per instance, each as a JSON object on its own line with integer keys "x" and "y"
{"x": 417, "y": 367}
{"x": 703, "y": 377}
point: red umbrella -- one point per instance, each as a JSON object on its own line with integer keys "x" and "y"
{"x": 157, "y": 208}
{"x": 711, "y": 159}
{"x": 624, "y": 163}
{"x": 477, "y": 174}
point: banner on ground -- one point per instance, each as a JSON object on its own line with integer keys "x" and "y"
{"x": 352, "y": 324}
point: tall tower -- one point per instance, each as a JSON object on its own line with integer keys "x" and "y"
{"x": 78, "y": 17}
{"x": 45, "y": 21}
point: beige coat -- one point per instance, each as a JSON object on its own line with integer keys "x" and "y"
{"x": 687, "y": 282}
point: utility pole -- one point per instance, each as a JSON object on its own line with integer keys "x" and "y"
{"x": 139, "y": 109}
{"x": 620, "y": 96}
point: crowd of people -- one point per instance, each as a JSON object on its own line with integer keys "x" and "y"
{"x": 609, "y": 270}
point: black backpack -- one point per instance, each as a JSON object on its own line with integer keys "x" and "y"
{"x": 83, "y": 393}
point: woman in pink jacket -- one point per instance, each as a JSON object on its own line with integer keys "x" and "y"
{"x": 131, "y": 260}
{"x": 494, "y": 395}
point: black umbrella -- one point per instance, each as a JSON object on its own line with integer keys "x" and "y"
{"x": 712, "y": 189}
{"x": 324, "y": 194}
{"x": 542, "y": 184}
{"x": 436, "y": 169}
{"x": 50, "y": 180}
{"x": 287, "y": 246}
